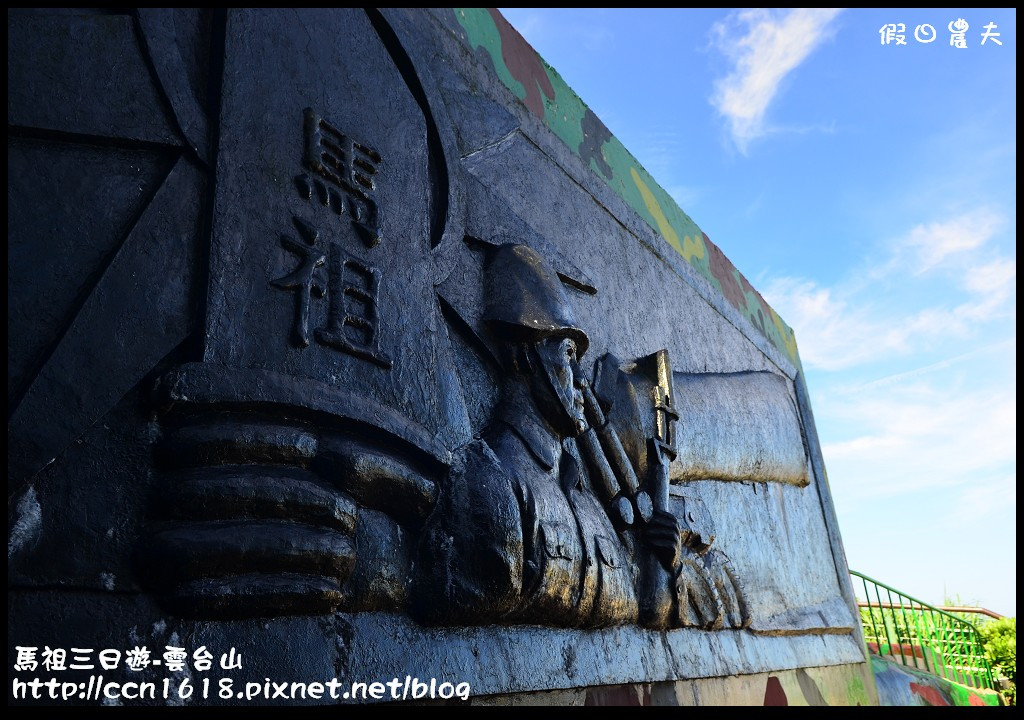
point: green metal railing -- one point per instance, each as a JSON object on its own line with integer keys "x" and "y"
{"x": 922, "y": 635}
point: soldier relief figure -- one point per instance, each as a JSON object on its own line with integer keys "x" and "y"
{"x": 561, "y": 512}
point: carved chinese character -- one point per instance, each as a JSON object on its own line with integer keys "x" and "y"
{"x": 352, "y": 313}
{"x": 351, "y": 288}
{"x": 303, "y": 279}
{"x": 344, "y": 175}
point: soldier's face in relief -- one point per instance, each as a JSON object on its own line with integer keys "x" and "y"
{"x": 564, "y": 393}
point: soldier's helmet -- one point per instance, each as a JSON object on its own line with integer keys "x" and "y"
{"x": 526, "y": 301}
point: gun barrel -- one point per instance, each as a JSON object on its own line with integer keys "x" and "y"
{"x": 611, "y": 456}
{"x": 602, "y": 474}
{"x": 613, "y": 449}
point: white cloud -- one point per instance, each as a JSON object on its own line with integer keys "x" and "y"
{"x": 772, "y": 46}
{"x": 943, "y": 433}
{"x": 928, "y": 452}
{"x": 832, "y": 333}
{"x": 991, "y": 278}
{"x": 959, "y": 282}
{"x": 836, "y": 332}
{"x": 922, "y": 469}
{"x": 937, "y": 242}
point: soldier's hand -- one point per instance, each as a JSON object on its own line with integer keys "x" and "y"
{"x": 662, "y": 534}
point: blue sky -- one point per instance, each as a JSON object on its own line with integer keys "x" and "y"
{"x": 869, "y": 192}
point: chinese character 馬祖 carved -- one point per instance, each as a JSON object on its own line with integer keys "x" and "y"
{"x": 352, "y": 312}
{"x": 351, "y": 288}
{"x": 303, "y": 279}
{"x": 344, "y": 175}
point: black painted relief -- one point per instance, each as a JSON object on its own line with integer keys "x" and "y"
{"x": 544, "y": 519}
{"x": 294, "y": 354}
{"x": 326, "y": 270}
{"x": 560, "y": 514}
{"x": 339, "y": 163}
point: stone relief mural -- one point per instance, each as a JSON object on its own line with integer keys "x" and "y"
{"x": 361, "y": 353}
{"x": 544, "y": 519}
{"x": 562, "y": 511}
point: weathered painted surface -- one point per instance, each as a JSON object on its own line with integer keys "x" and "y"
{"x": 841, "y": 685}
{"x": 248, "y": 458}
{"x": 549, "y": 97}
{"x": 752, "y": 418}
{"x": 901, "y": 685}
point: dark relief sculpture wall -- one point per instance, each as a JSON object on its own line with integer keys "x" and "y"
{"x": 322, "y": 347}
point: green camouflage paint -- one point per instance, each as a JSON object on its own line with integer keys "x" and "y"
{"x": 856, "y": 691}
{"x": 550, "y": 98}
{"x": 903, "y": 685}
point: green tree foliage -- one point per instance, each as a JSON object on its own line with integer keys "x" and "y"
{"x": 1001, "y": 646}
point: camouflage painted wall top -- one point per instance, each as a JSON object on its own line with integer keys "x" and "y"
{"x": 546, "y": 95}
